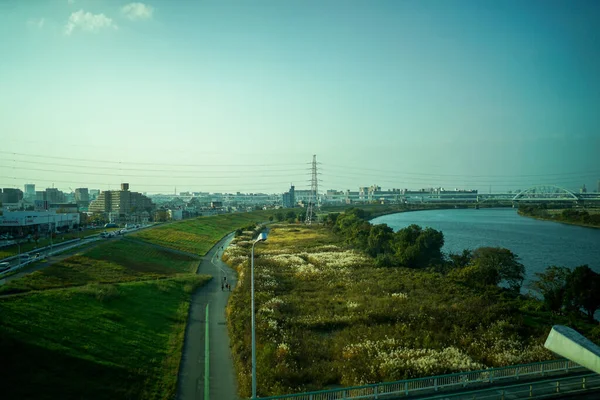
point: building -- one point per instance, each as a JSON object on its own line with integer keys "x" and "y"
{"x": 94, "y": 193}
{"x": 25, "y": 222}
{"x": 54, "y": 195}
{"x": 175, "y": 215}
{"x": 120, "y": 203}
{"x": 288, "y": 199}
{"x": 598, "y": 188}
{"x": 82, "y": 197}
{"x": 11, "y": 196}
{"x": 29, "y": 193}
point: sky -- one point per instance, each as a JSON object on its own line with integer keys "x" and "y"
{"x": 227, "y": 96}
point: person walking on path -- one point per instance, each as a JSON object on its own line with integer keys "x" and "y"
{"x": 221, "y": 286}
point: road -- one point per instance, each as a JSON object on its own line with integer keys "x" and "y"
{"x": 223, "y": 383}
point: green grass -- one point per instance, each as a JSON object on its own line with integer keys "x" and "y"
{"x": 113, "y": 261}
{"x": 198, "y": 235}
{"x": 116, "y": 341}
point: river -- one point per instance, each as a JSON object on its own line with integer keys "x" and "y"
{"x": 537, "y": 243}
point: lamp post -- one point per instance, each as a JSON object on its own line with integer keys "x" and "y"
{"x": 261, "y": 238}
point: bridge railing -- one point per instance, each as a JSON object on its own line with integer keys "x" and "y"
{"x": 441, "y": 382}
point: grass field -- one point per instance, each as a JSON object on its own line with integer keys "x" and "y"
{"x": 198, "y": 235}
{"x": 327, "y": 316}
{"x": 112, "y": 261}
{"x": 114, "y": 341}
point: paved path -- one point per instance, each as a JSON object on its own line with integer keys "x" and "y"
{"x": 223, "y": 383}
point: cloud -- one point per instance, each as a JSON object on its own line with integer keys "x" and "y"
{"x": 86, "y": 21}
{"x": 135, "y": 11}
{"x": 36, "y": 22}
{"x": 71, "y": 1}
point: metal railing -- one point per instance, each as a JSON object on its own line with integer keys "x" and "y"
{"x": 533, "y": 390}
{"x": 434, "y": 383}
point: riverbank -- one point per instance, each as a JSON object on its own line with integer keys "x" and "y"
{"x": 550, "y": 219}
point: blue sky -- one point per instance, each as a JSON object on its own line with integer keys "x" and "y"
{"x": 238, "y": 95}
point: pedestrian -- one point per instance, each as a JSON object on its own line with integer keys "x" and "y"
{"x": 221, "y": 286}
{"x": 229, "y": 287}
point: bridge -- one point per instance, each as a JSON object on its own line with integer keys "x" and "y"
{"x": 542, "y": 194}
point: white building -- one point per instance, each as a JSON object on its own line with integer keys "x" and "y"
{"x": 40, "y": 221}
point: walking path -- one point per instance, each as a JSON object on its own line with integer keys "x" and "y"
{"x": 223, "y": 383}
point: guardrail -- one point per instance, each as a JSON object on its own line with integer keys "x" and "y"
{"x": 434, "y": 383}
{"x": 58, "y": 250}
{"x": 533, "y": 390}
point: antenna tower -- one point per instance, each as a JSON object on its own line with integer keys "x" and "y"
{"x": 314, "y": 193}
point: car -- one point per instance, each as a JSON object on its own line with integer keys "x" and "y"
{"x": 24, "y": 257}
{"x": 4, "y": 266}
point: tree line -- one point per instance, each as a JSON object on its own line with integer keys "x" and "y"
{"x": 421, "y": 248}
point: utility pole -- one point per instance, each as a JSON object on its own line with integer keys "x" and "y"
{"x": 314, "y": 193}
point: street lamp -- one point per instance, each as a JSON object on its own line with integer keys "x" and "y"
{"x": 261, "y": 238}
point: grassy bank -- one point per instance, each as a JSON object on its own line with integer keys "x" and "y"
{"x": 588, "y": 218}
{"x": 198, "y": 235}
{"x": 113, "y": 261}
{"x": 13, "y": 250}
{"x": 117, "y": 341}
{"x": 327, "y": 316}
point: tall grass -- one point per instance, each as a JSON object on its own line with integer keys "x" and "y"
{"x": 327, "y": 316}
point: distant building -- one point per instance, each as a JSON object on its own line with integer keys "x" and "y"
{"x": 94, "y": 193}
{"x": 120, "y": 202}
{"x": 175, "y": 215}
{"x": 11, "y": 196}
{"x": 29, "y": 193}
{"x": 598, "y": 188}
{"x": 82, "y": 195}
{"x": 54, "y": 195}
{"x": 583, "y": 189}
{"x": 289, "y": 198}
{"x": 216, "y": 204}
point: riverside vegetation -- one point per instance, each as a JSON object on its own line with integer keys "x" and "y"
{"x": 583, "y": 217}
{"x": 349, "y": 303}
{"x": 108, "y": 323}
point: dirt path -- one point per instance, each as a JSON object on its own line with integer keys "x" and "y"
{"x": 223, "y": 383}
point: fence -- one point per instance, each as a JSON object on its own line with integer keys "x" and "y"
{"x": 434, "y": 383}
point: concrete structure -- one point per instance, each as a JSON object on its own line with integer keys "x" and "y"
{"x": 35, "y": 221}
{"x": 54, "y": 195}
{"x": 11, "y": 196}
{"x": 82, "y": 195}
{"x": 288, "y": 199}
{"x": 120, "y": 203}
{"x": 570, "y": 344}
{"x": 29, "y": 193}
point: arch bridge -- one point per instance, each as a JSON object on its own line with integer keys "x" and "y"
{"x": 546, "y": 193}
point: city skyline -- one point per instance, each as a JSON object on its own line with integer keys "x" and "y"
{"x": 202, "y": 96}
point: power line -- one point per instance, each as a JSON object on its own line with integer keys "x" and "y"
{"x": 145, "y": 163}
{"x": 581, "y": 173}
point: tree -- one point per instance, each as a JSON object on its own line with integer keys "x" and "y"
{"x": 270, "y": 218}
{"x": 417, "y": 248}
{"x": 497, "y": 264}
{"x": 279, "y": 216}
{"x": 460, "y": 260}
{"x": 552, "y": 284}
{"x": 378, "y": 241}
{"x": 583, "y": 290}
